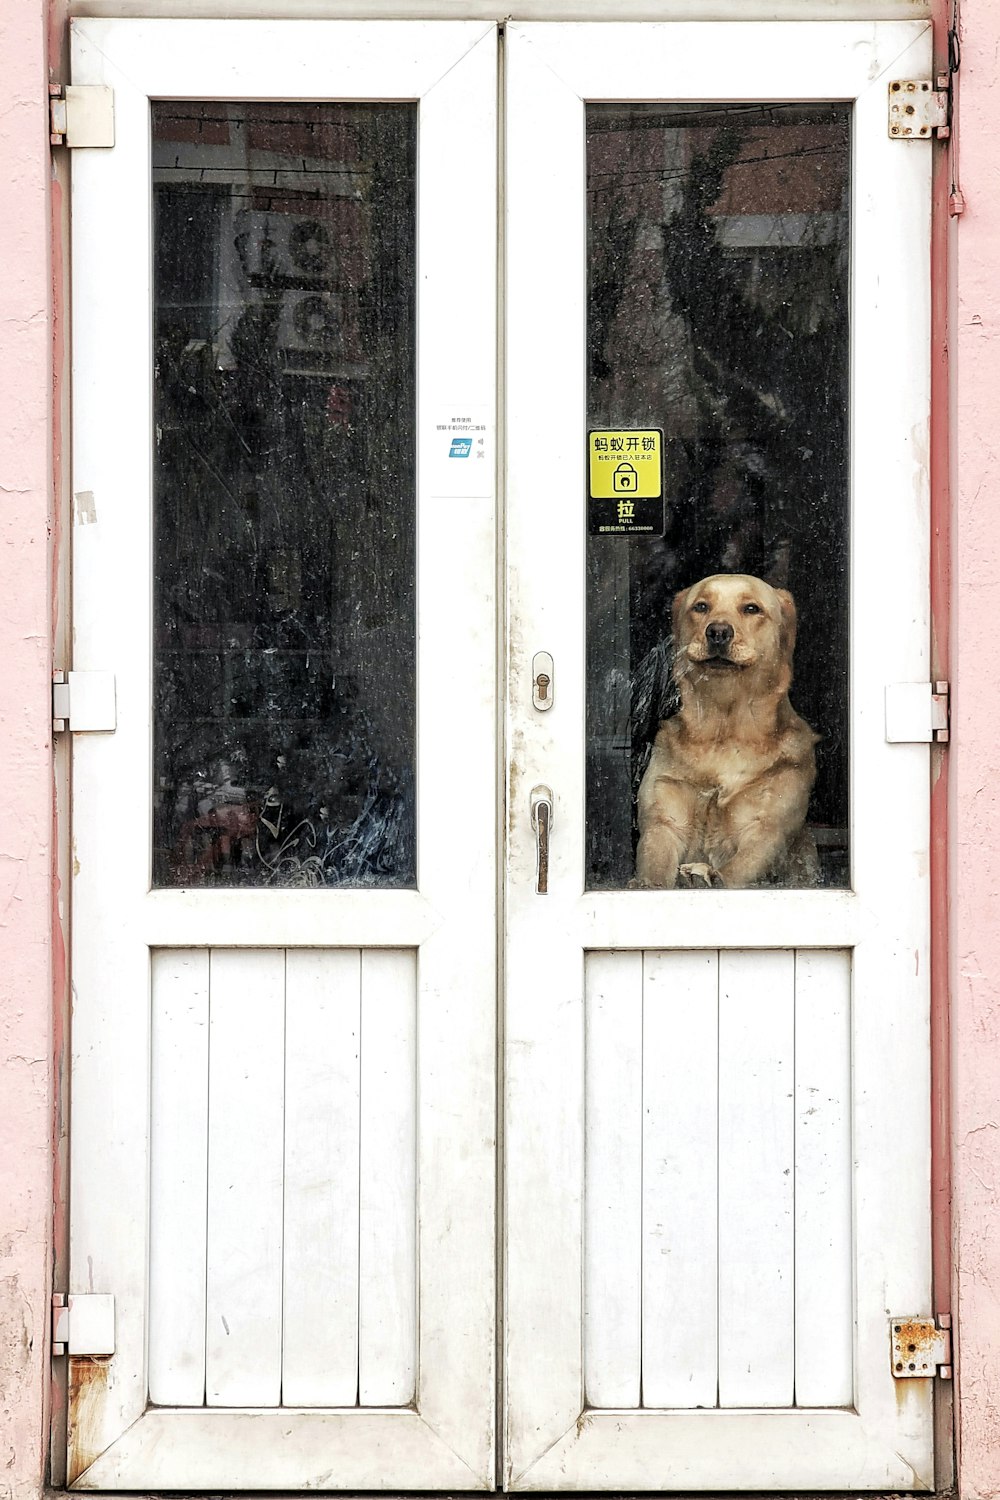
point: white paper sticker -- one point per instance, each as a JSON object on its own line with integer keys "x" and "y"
{"x": 458, "y": 452}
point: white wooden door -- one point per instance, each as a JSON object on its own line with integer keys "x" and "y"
{"x": 283, "y": 1064}
{"x": 715, "y": 1193}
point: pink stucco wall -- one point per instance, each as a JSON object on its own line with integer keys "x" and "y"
{"x": 27, "y": 337}
{"x": 975, "y": 756}
{"x": 25, "y": 823}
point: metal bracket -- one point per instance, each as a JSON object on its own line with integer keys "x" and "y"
{"x": 83, "y": 702}
{"x": 921, "y": 1347}
{"x": 83, "y": 1323}
{"x": 81, "y": 114}
{"x": 917, "y": 110}
{"x": 917, "y": 713}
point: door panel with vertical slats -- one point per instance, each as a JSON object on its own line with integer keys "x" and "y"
{"x": 756, "y": 1183}
{"x": 319, "y": 1365}
{"x": 387, "y": 1292}
{"x": 178, "y": 1191}
{"x": 613, "y": 1189}
{"x": 736, "y": 1062}
{"x": 680, "y": 1162}
{"x": 309, "y": 1060}
{"x": 824, "y": 1282}
{"x": 245, "y": 1151}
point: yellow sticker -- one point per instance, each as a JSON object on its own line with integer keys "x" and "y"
{"x": 625, "y": 464}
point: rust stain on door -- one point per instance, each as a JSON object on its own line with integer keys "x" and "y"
{"x": 88, "y": 1384}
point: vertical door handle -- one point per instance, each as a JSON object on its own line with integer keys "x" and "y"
{"x": 541, "y": 821}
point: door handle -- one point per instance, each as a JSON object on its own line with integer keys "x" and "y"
{"x": 541, "y": 821}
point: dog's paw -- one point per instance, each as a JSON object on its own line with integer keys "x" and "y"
{"x": 698, "y": 876}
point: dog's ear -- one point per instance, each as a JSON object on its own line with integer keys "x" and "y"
{"x": 789, "y": 622}
{"x": 678, "y": 609}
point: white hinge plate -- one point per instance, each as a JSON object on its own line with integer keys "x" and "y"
{"x": 84, "y": 702}
{"x": 83, "y": 1323}
{"x": 81, "y": 114}
{"x": 917, "y": 110}
{"x": 921, "y": 1347}
{"x": 917, "y": 712}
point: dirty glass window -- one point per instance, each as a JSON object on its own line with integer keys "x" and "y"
{"x": 717, "y": 617}
{"x": 284, "y": 514}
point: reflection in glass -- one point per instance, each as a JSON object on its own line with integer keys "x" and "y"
{"x": 718, "y": 266}
{"x": 284, "y": 494}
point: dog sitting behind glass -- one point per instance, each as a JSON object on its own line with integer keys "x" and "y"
{"x": 724, "y": 797}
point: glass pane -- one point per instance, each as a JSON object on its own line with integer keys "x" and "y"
{"x": 284, "y": 494}
{"x": 718, "y": 267}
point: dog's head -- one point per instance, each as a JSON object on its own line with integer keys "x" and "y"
{"x": 734, "y": 624}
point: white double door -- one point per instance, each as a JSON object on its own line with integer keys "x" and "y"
{"x": 284, "y": 1101}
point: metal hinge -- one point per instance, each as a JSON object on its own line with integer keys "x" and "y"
{"x": 917, "y": 713}
{"x": 917, "y": 110}
{"x": 81, "y": 114}
{"x": 921, "y": 1347}
{"x": 83, "y": 702}
{"x": 83, "y": 1323}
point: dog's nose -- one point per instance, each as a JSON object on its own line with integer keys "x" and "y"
{"x": 718, "y": 635}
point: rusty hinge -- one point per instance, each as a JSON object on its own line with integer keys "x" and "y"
{"x": 917, "y": 713}
{"x": 83, "y": 1323}
{"x": 81, "y": 114}
{"x": 917, "y": 110}
{"x": 921, "y": 1347}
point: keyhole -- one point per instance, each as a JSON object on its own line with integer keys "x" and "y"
{"x": 542, "y": 684}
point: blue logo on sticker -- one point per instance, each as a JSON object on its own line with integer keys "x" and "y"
{"x": 460, "y": 448}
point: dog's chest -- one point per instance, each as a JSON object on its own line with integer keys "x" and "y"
{"x": 719, "y": 772}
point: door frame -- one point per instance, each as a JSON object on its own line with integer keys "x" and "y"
{"x": 544, "y": 9}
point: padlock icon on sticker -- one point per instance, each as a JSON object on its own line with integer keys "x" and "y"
{"x": 625, "y": 480}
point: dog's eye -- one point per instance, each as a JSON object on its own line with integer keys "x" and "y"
{"x": 752, "y": 609}
{"x": 701, "y": 608}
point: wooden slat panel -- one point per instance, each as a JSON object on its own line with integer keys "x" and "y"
{"x": 824, "y": 1280}
{"x": 756, "y": 1181}
{"x": 387, "y": 1285}
{"x": 245, "y": 1127}
{"x": 178, "y": 1185}
{"x": 612, "y": 1279}
{"x": 322, "y": 1126}
{"x": 680, "y": 1179}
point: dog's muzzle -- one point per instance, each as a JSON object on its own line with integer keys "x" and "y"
{"x": 717, "y": 637}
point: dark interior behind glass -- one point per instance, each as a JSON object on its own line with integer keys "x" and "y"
{"x": 284, "y": 478}
{"x": 718, "y": 293}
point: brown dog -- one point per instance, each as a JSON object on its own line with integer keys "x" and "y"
{"x": 724, "y": 797}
